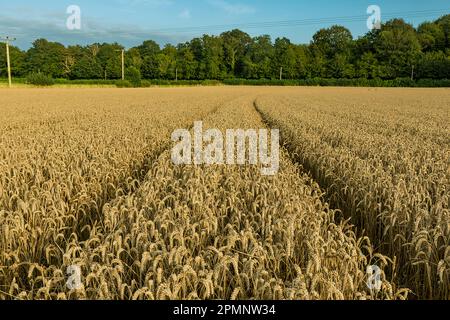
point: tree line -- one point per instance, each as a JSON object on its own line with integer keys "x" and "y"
{"x": 397, "y": 50}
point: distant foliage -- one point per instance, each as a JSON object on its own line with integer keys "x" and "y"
{"x": 123, "y": 84}
{"x": 94, "y": 82}
{"x": 360, "y": 82}
{"x": 39, "y": 79}
{"x": 133, "y": 75}
{"x": 397, "y": 50}
{"x": 149, "y": 83}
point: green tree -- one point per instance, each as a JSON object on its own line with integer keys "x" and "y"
{"x": 212, "y": 66}
{"x": 367, "y": 66}
{"x": 318, "y": 66}
{"x": 334, "y": 45}
{"x": 187, "y": 65}
{"x": 17, "y": 59}
{"x": 434, "y": 65}
{"x": 257, "y": 63}
{"x": 302, "y": 61}
{"x": 46, "y": 57}
{"x": 333, "y": 41}
{"x": 340, "y": 67}
{"x": 148, "y": 51}
{"x": 113, "y": 68}
{"x": 366, "y": 43}
{"x": 444, "y": 24}
{"x": 397, "y": 49}
{"x": 164, "y": 66}
{"x": 133, "y": 58}
{"x": 109, "y": 57}
{"x": 149, "y": 68}
{"x": 431, "y": 37}
{"x": 148, "y": 48}
{"x": 73, "y": 54}
{"x": 87, "y": 67}
{"x": 284, "y": 58}
{"x": 133, "y": 75}
{"x": 235, "y": 45}
{"x": 171, "y": 55}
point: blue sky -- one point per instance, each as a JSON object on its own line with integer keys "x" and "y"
{"x": 172, "y": 21}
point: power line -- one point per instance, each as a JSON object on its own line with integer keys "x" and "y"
{"x": 260, "y": 25}
{"x": 304, "y": 22}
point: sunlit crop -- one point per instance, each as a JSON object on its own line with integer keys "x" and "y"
{"x": 86, "y": 180}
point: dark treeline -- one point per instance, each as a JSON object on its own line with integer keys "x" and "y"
{"x": 397, "y": 50}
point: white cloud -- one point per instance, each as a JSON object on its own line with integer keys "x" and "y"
{"x": 28, "y": 30}
{"x": 185, "y": 14}
{"x": 232, "y": 8}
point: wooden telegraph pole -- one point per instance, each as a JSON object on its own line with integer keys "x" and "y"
{"x": 7, "y": 40}
{"x": 123, "y": 63}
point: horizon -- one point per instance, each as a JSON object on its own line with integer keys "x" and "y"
{"x": 130, "y": 22}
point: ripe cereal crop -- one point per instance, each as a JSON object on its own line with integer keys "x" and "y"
{"x": 87, "y": 180}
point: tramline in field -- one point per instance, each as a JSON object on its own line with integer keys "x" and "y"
{"x": 87, "y": 184}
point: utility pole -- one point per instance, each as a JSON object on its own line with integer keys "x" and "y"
{"x": 123, "y": 63}
{"x": 7, "y": 40}
{"x": 281, "y": 73}
{"x": 176, "y": 74}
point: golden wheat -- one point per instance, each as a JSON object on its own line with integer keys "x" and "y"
{"x": 87, "y": 180}
{"x": 383, "y": 157}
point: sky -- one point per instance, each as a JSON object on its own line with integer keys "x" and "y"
{"x": 130, "y": 22}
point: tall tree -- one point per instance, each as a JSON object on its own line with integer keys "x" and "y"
{"x": 187, "y": 65}
{"x": 172, "y": 63}
{"x": 133, "y": 58}
{"x": 367, "y": 66}
{"x": 150, "y": 67}
{"x": 333, "y": 41}
{"x": 17, "y": 59}
{"x": 149, "y": 48}
{"x": 431, "y": 37}
{"x": 148, "y": 51}
{"x": 46, "y": 57}
{"x": 73, "y": 55}
{"x": 257, "y": 63}
{"x": 212, "y": 66}
{"x": 397, "y": 49}
{"x": 434, "y": 65}
{"x": 334, "y": 45}
{"x": 87, "y": 67}
{"x": 444, "y": 24}
{"x": 302, "y": 61}
{"x": 235, "y": 45}
{"x": 109, "y": 57}
{"x": 284, "y": 59}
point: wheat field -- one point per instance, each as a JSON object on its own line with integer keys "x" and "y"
{"x": 86, "y": 179}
